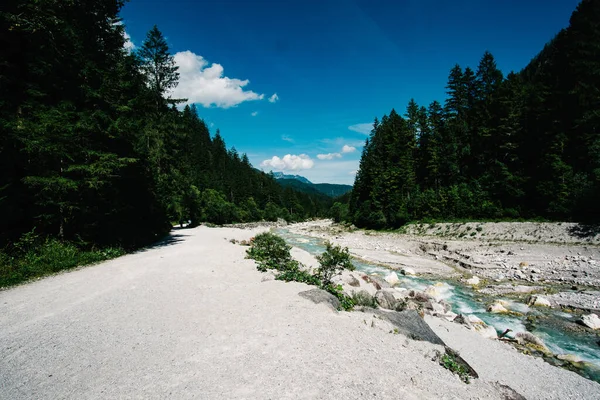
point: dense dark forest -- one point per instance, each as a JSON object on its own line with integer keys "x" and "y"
{"x": 522, "y": 146}
{"x": 92, "y": 149}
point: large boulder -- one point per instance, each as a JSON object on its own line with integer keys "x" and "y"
{"x": 529, "y": 339}
{"x": 318, "y": 296}
{"x": 539, "y": 301}
{"x": 410, "y": 324}
{"x": 591, "y": 321}
{"x": 420, "y": 296}
{"x": 413, "y": 305}
{"x": 386, "y": 299}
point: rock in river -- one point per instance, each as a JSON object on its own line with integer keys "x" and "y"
{"x": 539, "y": 301}
{"x": 497, "y": 308}
{"x": 591, "y": 321}
{"x": 392, "y": 278}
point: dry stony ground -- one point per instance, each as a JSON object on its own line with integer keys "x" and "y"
{"x": 564, "y": 256}
{"x": 193, "y": 319}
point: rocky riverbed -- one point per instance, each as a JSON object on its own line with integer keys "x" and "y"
{"x": 520, "y": 292}
{"x": 502, "y": 256}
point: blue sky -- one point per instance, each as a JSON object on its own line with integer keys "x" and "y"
{"x": 334, "y": 65}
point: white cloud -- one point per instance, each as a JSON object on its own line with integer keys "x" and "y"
{"x": 289, "y": 162}
{"x": 274, "y": 98}
{"x": 341, "y": 141}
{"x": 329, "y": 156}
{"x": 335, "y": 171}
{"x": 365, "y": 129}
{"x": 352, "y": 173}
{"x": 286, "y": 138}
{"x": 348, "y": 149}
{"x": 254, "y": 114}
{"x": 206, "y": 85}
{"x": 129, "y": 46}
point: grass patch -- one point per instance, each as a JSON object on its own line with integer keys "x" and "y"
{"x": 363, "y": 299}
{"x": 34, "y": 257}
{"x": 452, "y": 363}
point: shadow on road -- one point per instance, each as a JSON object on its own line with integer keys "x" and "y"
{"x": 585, "y": 230}
{"x": 170, "y": 240}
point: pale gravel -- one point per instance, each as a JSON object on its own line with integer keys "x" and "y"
{"x": 192, "y": 319}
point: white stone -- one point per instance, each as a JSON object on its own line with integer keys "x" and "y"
{"x": 434, "y": 292}
{"x": 392, "y": 278}
{"x": 497, "y": 308}
{"x": 437, "y": 308}
{"x": 473, "y": 281}
{"x": 539, "y": 301}
{"x": 591, "y": 321}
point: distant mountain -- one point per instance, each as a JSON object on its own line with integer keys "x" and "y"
{"x": 332, "y": 189}
{"x": 281, "y": 175}
{"x": 306, "y": 186}
{"x": 300, "y": 186}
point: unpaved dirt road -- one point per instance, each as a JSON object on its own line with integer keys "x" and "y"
{"x": 191, "y": 319}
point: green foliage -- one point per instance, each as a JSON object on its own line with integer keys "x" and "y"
{"x": 364, "y": 299}
{"x": 270, "y": 252}
{"x": 521, "y": 146}
{"x": 92, "y": 149}
{"x": 346, "y": 302}
{"x": 450, "y": 362}
{"x": 33, "y": 256}
{"x": 297, "y": 275}
{"x": 332, "y": 262}
{"x": 339, "y": 212}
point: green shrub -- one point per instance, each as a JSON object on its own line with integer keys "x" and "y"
{"x": 299, "y": 276}
{"x": 333, "y": 261}
{"x": 270, "y": 252}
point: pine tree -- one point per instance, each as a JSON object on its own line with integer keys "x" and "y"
{"x": 158, "y": 66}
